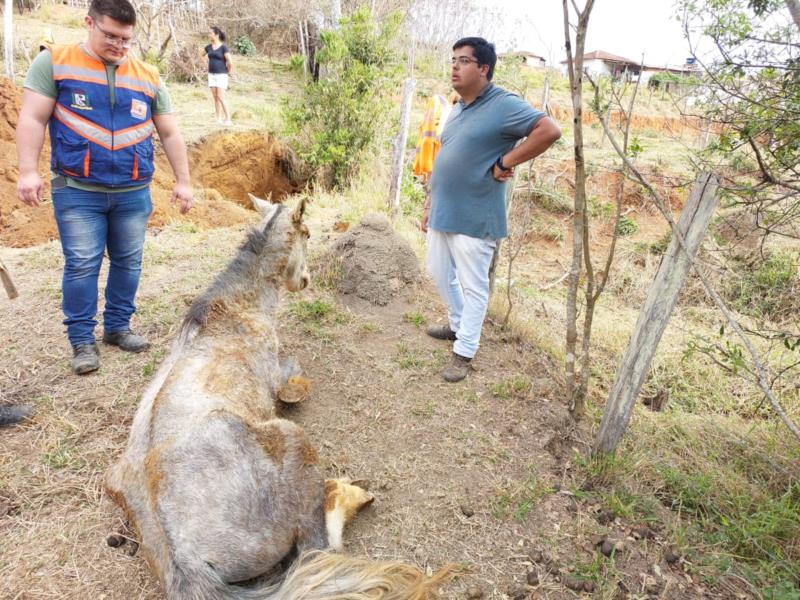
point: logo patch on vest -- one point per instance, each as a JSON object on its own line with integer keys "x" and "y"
{"x": 138, "y": 109}
{"x": 80, "y": 100}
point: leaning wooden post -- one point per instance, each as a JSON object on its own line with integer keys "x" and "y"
{"x": 655, "y": 314}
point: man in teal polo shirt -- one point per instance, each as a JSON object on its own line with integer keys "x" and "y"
{"x": 466, "y": 213}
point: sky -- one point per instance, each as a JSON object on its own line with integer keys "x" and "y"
{"x": 624, "y": 27}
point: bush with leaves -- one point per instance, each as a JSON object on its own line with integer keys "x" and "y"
{"x": 338, "y": 118}
{"x": 244, "y": 45}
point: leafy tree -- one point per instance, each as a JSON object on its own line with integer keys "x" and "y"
{"x": 339, "y": 117}
{"x": 752, "y": 98}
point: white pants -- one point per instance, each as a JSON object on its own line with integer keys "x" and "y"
{"x": 459, "y": 265}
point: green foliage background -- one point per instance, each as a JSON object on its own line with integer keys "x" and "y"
{"x": 340, "y": 117}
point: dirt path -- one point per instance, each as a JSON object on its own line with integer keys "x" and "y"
{"x": 477, "y": 473}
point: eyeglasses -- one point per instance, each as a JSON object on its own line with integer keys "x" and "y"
{"x": 115, "y": 40}
{"x": 462, "y": 61}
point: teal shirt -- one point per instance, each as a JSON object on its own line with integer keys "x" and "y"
{"x": 40, "y": 80}
{"x": 466, "y": 198}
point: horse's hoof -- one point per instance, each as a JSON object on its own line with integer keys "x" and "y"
{"x": 295, "y": 390}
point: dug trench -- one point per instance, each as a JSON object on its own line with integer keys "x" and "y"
{"x": 224, "y": 166}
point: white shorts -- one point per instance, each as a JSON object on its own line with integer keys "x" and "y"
{"x": 219, "y": 80}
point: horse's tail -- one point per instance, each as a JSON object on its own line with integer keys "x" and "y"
{"x": 317, "y": 575}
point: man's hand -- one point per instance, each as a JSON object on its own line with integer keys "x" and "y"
{"x": 426, "y": 213}
{"x": 501, "y": 175}
{"x": 183, "y": 192}
{"x": 30, "y": 188}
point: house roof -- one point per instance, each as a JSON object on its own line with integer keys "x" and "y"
{"x": 523, "y": 53}
{"x": 606, "y": 56}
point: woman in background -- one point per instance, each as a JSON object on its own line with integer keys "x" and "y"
{"x": 219, "y": 68}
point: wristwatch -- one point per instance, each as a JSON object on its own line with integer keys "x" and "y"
{"x": 500, "y": 165}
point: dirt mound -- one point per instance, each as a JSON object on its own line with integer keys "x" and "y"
{"x": 20, "y": 225}
{"x": 224, "y": 167}
{"x": 673, "y": 125}
{"x": 375, "y": 262}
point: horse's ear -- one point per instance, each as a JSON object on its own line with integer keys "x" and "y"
{"x": 297, "y": 215}
{"x": 263, "y": 207}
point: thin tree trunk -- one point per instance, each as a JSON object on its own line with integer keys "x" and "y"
{"x": 575, "y": 68}
{"x": 592, "y": 295}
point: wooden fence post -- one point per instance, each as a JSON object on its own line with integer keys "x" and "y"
{"x": 655, "y": 314}
{"x": 400, "y": 145}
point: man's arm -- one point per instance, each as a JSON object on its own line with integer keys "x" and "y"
{"x": 33, "y": 117}
{"x": 175, "y": 149}
{"x": 542, "y": 135}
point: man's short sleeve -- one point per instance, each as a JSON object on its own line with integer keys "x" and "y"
{"x": 519, "y": 117}
{"x": 40, "y": 75}
{"x": 162, "y": 103}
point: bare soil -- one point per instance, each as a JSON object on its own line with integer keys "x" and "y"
{"x": 479, "y": 473}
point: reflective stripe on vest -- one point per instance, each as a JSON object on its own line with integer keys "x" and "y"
{"x": 92, "y": 140}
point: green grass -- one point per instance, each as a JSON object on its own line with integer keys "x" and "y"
{"x": 517, "y": 387}
{"x": 519, "y": 500}
{"x": 65, "y": 455}
{"x": 415, "y": 318}
{"x": 316, "y": 311}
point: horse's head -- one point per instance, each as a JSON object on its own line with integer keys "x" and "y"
{"x": 277, "y": 220}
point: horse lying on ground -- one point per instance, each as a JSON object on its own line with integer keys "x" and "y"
{"x": 226, "y": 497}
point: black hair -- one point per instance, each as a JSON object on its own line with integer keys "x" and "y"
{"x": 119, "y": 10}
{"x": 484, "y": 52}
{"x": 219, "y": 32}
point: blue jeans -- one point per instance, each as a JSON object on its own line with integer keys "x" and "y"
{"x": 459, "y": 265}
{"x": 88, "y": 223}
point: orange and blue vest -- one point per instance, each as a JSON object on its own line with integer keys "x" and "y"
{"x": 429, "y": 139}
{"x": 92, "y": 141}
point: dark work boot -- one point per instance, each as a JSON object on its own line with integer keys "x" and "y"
{"x": 126, "y": 340}
{"x": 457, "y": 369}
{"x": 441, "y": 332}
{"x": 85, "y": 358}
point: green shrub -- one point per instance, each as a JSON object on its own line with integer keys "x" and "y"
{"x": 769, "y": 290}
{"x": 338, "y": 118}
{"x": 296, "y": 63}
{"x": 244, "y": 45}
{"x": 626, "y": 226}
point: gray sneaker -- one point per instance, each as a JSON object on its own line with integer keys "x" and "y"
{"x": 126, "y": 340}
{"x": 85, "y": 358}
{"x": 441, "y": 332}
{"x": 457, "y": 369}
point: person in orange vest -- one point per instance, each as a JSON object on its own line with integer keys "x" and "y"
{"x": 102, "y": 107}
{"x": 429, "y": 138}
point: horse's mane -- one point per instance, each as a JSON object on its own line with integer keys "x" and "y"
{"x": 241, "y": 264}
